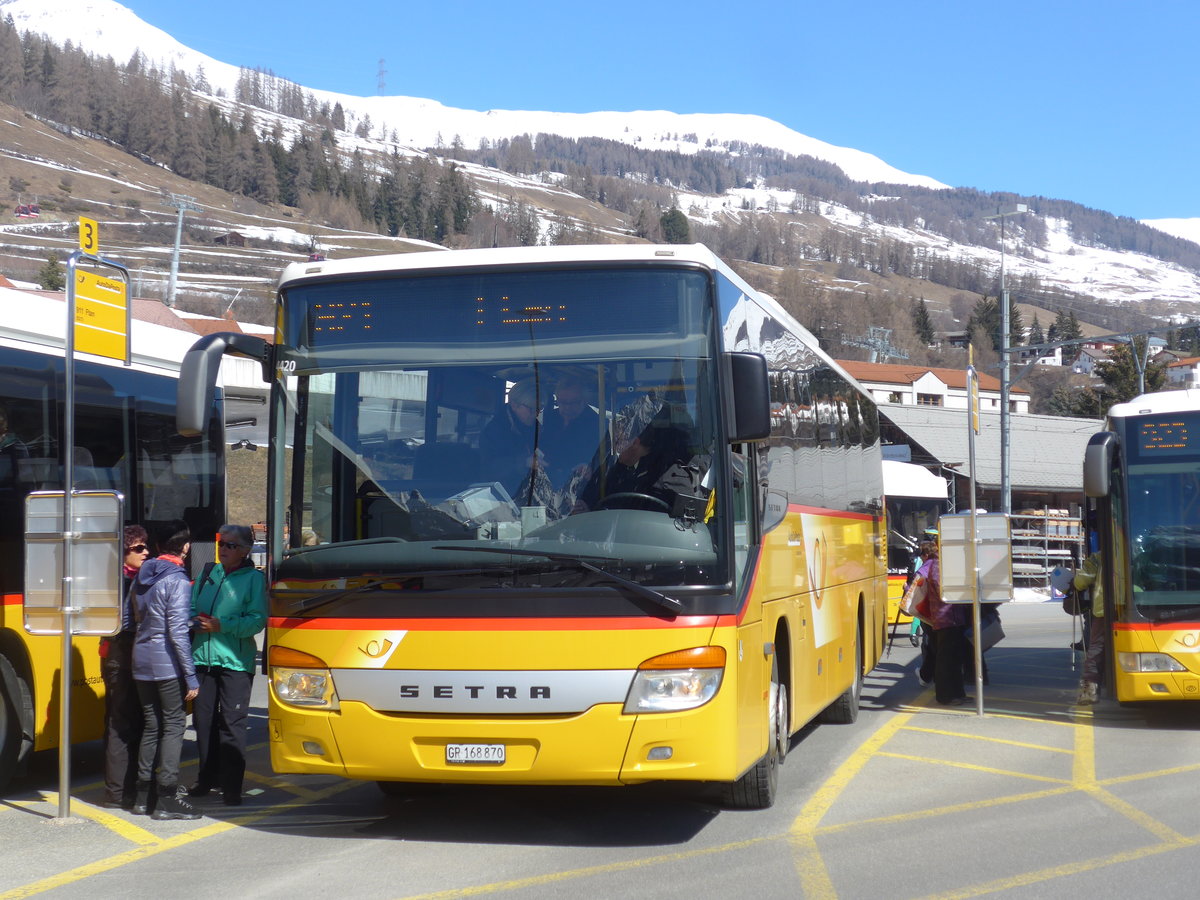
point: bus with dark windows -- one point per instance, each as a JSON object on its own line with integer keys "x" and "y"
{"x": 558, "y": 515}
{"x": 1142, "y": 474}
{"x": 125, "y": 439}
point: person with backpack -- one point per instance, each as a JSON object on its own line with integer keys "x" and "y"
{"x": 163, "y": 672}
{"x": 229, "y": 607}
{"x": 1088, "y": 578}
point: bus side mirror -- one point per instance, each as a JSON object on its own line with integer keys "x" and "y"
{"x": 750, "y": 416}
{"x": 198, "y": 375}
{"x": 1097, "y": 462}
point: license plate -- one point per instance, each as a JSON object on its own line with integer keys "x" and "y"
{"x": 485, "y": 754}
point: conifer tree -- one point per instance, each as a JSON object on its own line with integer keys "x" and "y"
{"x": 675, "y": 227}
{"x": 50, "y": 276}
{"x": 922, "y": 322}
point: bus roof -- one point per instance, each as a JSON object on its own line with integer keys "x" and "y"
{"x": 1158, "y": 402}
{"x": 509, "y": 256}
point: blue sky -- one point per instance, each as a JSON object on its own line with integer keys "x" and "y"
{"x": 1096, "y": 102}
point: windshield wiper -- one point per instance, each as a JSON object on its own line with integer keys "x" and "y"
{"x": 647, "y": 593}
{"x": 1169, "y": 614}
{"x": 308, "y": 604}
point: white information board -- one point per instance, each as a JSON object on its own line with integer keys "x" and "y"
{"x": 960, "y": 552}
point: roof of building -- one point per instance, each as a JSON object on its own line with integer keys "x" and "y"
{"x": 1046, "y": 451}
{"x": 895, "y": 373}
{"x": 1186, "y": 361}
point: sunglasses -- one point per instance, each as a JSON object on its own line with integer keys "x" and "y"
{"x": 226, "y": 545}
{"x": 136, "y": 548}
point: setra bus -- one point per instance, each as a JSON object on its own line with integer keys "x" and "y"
{"x": 125, "y": 440}
{"x": 661, "y": 577}
{"x": 1143, "y": 473}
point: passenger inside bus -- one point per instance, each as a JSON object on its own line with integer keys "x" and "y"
{"x": 636, "y": 476}
{"x": 507, "y": 443}
{"x": 572, "y": 436}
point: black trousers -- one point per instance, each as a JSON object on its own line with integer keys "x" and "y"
{"x": 162, "y": 740}
{"x": 948, "y": 671}
{"x": 219, "y": 714}
{"x": 123, "y": 719}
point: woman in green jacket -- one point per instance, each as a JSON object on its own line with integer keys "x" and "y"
{"x": 229, "y": 607}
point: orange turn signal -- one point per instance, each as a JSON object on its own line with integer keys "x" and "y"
{"x": 288, "y": 658}
{"x": 695, "y": 658}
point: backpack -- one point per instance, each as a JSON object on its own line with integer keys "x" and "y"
{"x": 1073, "y": 603}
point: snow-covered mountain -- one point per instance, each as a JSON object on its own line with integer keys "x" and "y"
{"x": 108, "y": 28}
{"x": 105, "y": 27}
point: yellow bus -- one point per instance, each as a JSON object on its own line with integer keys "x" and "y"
{"x": 125, "y": 440}
{"x": 559, "y": 515}
{"x": 1143, "y": 472}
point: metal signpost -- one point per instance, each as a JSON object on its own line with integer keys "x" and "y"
{"x": 975, "y": 551}
{"x": 78, "y": 549}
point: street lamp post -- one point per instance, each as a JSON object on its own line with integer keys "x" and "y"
{"x": 1005, "y": 423}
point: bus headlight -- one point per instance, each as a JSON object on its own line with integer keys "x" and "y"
{"x": 301, "y": 679}
{"x": 676, "y": 681}
{"x": 1149, "y": 662}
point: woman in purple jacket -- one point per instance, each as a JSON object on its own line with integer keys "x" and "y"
{"x": 163, "y": 672}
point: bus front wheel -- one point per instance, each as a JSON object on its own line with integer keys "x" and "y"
{"x": 14, "y": 701}
{"x": 757, "y": 788}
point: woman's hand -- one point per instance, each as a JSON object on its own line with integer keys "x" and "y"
{"x": 209, "y": 624}
{"x": 192, "y": 694}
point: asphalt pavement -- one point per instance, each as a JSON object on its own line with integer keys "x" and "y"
{"x": 1037, "y": 797}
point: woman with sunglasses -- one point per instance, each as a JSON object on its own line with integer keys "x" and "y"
{"x": 123, "y": 719}
{"x": 229, "y": 607}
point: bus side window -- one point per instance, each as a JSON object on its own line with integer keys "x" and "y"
{"x": 742, "y": 470}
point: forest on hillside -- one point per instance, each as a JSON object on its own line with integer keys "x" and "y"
{"x": 300, "y": 155}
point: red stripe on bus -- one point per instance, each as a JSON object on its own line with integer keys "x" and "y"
{"x": 831, "y": 513}
{"x": 12, "y": 600}
{"x": 1156, "y": 626}
{"x": 403, "y": 624}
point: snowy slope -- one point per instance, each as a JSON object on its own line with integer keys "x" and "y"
{"x": 104, "y": 27}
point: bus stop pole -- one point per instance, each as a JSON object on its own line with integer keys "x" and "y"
{"x": 972, "y": 390}
{"x": 68, "y": 605}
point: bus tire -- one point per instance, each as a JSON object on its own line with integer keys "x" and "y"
{"x": 844, "y": 710}
{"x": 16, "y": 707}
{"x": 393, "y": 788}
{"x": 757, "y": 788}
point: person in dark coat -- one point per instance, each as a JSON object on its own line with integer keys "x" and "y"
{"x": 507, "y": 444}
{"x": 571, "y": 432}
{"x": 123, "y": 718}
{"x": 164, "y": 673}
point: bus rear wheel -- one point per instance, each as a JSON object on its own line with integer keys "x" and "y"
{"x": 844, "y": 710}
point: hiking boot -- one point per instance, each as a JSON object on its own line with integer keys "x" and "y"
{"x": 171, "y": 806}
{"x": 1089, "y": 693}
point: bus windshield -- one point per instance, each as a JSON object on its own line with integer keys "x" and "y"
{"x": 476, "y": 432}
{"x": 1164, "y": 517}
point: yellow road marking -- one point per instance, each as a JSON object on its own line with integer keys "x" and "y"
{"x": 127, "y": 830}
{"x": 1029, "y": 878}
{"x": 1142, "y": 776}
{"x": 79, "y": 873}
{"x": 814, "y": 877}
{"x": 587, "y": 872}
{"x": 933, "y": 812}
{"x": 272, "y": 781}
{"x": 989, "y": 740}
{"x": 954, "y": 764}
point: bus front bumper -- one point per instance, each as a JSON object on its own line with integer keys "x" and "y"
{"x": 602, "y": 746}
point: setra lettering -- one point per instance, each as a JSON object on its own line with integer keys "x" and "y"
{"x": 473, "y": 691}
